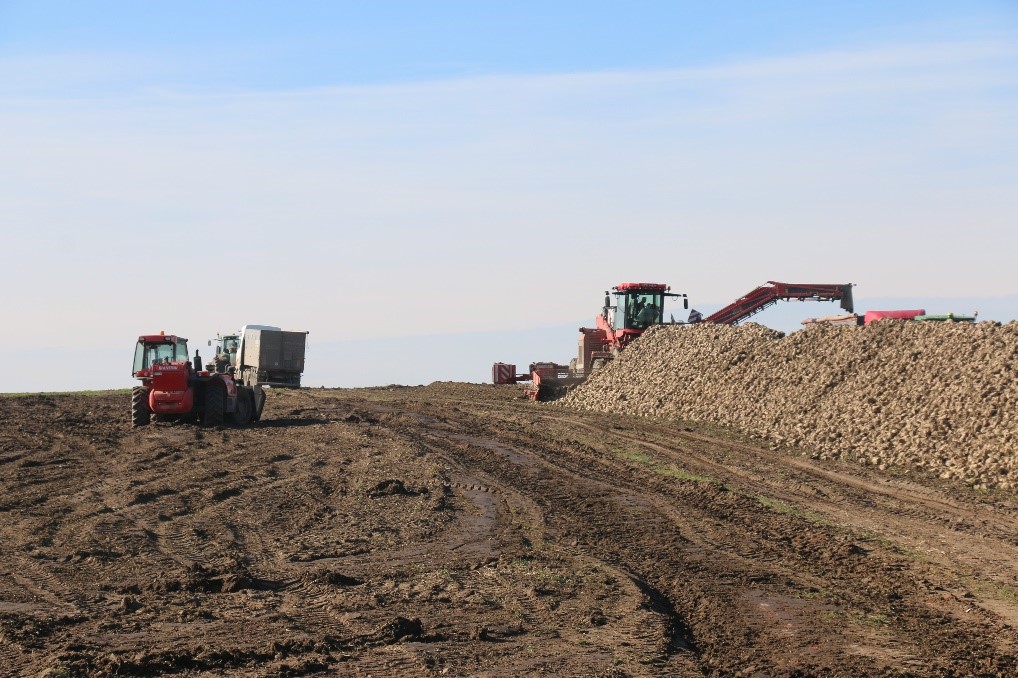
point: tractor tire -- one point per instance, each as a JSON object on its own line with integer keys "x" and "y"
{"x": 215, "y": 404}
{"x": 141, "y": 415}
{"x": 243, "y": 411}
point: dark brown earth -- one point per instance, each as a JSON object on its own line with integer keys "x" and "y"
{"x": 460, "y": 530}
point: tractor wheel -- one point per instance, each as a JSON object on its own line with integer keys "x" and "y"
{"x": 141, "y": 415}
{"x": 215, "y": 404}
{"x": 243, "y": 412}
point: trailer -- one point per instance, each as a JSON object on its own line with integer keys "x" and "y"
{"x": 262, "y": 355}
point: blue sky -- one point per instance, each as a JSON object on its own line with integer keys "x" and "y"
{"x": 396, "y": 170}
{"x": 283, "y": 46}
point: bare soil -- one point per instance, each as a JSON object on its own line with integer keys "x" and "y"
{"x": 460, "y": 530}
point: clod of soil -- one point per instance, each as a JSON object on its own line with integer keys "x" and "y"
{"x": 399, "y": 629}
{"x": 388, "y": 488}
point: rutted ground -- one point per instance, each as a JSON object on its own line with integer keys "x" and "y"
{"x": 460, "y": 530}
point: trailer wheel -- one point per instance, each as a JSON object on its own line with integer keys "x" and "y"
{"x": 257, "y": 402}
{"x": 215, "y": 404}
{"x": 244, "y": 409}
{"x": 141, "y": 415}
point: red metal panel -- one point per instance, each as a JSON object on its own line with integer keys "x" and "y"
{"x": 169, "y": 376}
{"x": 171, "y": 402}
{"x": 503, "y": 373}
{"x": 161, "y": 339}
{"x": 590, "y": 341}
{"x": 908, "y": 314}
{"x": 644, "y": 287}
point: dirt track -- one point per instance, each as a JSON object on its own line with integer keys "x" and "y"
{"x": 458, "y": 530}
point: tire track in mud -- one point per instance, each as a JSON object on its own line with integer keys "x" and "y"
{"x": 454, "y": 530}
{"x": 917, "y": 613}
{"x": 643, "y": 621}
{"x": 757, "y": 557}
{"x": 895, "y": 494}
{"x": 945, "y": 529}
{"x": 646, "y": 622}
{"x": 51, "y": 594}
{"x": 892, "y": 497}
{"x": 79, "y": 522}
{"x": 182, "y": 518}
{"x": 11, "y": 654}
{"x": 642, "y": 616}
{"x": 301, "y": 602}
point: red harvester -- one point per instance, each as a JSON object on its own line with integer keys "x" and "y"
{"x": 637, "y": 307}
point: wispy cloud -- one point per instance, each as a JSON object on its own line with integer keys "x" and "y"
{"x": 493, "y": 192}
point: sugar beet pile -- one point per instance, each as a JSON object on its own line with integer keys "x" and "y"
{"x": 937, "y": 396}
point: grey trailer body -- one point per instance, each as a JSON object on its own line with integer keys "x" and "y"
{"x": 271, "y": 357}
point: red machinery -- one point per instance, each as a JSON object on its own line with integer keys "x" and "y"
{"x": 773, "y": 292}
{"x": 637, "y": 307}
{"x": 174, "y": 388}
{"x": 907, "y": 314}
{"x": 916, "y": 314}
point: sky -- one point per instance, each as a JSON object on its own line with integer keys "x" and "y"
{"x": 428, "y": 188}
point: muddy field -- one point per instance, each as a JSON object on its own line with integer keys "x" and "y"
{"x": 458, "y": 530}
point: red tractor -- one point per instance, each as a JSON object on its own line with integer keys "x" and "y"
{"x": 174, "y": 388}
{"x": 637, "y": 307}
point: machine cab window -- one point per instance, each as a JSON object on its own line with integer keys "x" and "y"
{"x": 227, "y": 347}
{"x": 147, "y": 354}
{"x": 642, "y": 309}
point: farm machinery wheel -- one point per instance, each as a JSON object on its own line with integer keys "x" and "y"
{"x": 215, "y": 404}
{"x": 257, "y": 402}
{"x": 243, "y": 413}
{"x": 141, "y": 415}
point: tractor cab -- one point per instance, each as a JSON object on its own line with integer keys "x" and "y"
{"x": 638, "y": 305}
{"x": 226, "y": 352}
{"x": 229, "y": 356}
{"x": 638, "y": 309}
{"x": 158, "y": 349}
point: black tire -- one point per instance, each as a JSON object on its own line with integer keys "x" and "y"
{"x": 257, "y": 402}
{"x": 243, "y": 411}
{"x": 141, "y": 415}
{"x": 215, "y": 403}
